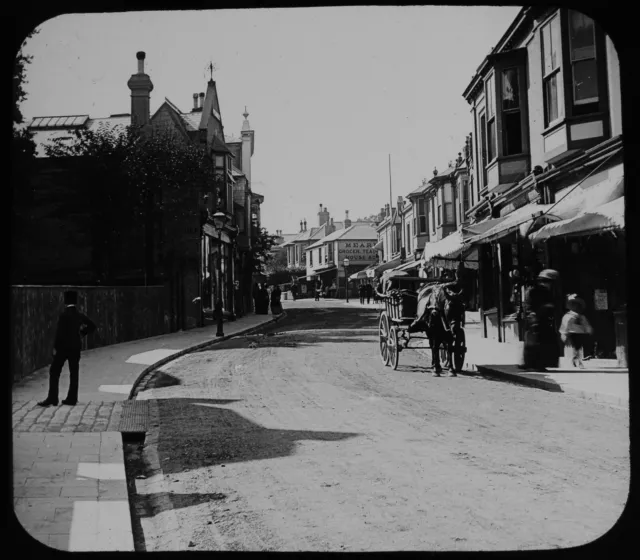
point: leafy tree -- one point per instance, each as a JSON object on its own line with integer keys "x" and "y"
{"x": 137, "y": 183}
{"x": 23, "y": 151}
{"x": 261, "y": 247}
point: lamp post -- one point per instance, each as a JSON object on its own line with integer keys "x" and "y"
{"x": 345, "y": 262}
{"x": 219, "y": 221}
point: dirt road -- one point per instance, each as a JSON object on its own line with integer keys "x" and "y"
{"x": 307, "y": 442}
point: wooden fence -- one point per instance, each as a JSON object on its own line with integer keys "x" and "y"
{"x": 121, "y": 314}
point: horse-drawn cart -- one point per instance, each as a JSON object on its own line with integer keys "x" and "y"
{"x": 440, "y": 319}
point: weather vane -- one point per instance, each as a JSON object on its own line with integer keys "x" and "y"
{"x": 212, "y": 68}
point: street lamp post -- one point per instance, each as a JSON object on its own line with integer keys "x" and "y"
{"x": 345, "y": 262}
{"x": 219, "y": 221}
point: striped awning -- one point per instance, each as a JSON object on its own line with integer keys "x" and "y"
{"x": 608, "y": 217}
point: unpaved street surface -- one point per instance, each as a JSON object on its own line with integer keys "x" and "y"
{"x": 307, "y": 442}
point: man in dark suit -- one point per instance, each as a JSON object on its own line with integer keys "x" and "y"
{"x": 72, "y": 325}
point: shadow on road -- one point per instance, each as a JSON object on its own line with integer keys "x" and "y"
{"x": 194, "y": 433}
{"x": 537, "y": 380}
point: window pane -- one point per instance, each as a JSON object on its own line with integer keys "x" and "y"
{"x": 491, "y": 96}
{"x": 510, "y": 92}
{"x": 551, "y": 45}
{"x": 585, "y": 82}
{"x": 423, "y": 224}
{"x": 511, "y": 134}
{"x": 421, "y": 206}
{"x": 581, "y": 36}
{"x": 551, "y": 99}
{"x": 448, "y": 213}
{"x": 448, "y": 193}
{"x": 492, "y": 139}
{"x": 555, "y": 42}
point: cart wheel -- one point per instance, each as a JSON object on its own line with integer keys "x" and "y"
{"x": 393, "y": 347}
{"x": 384, "y": 338}
{"x": 459, "y": 349}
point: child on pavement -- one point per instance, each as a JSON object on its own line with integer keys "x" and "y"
{"x": 575, "y": 328}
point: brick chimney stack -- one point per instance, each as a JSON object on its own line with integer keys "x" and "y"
{"x": 141, "y": 88}
{"x": 400, "y": 203}
{"x": 323, "y": 216}
{"x": 195, "y": 102}
{"x": 305, "y": 224}
{"x": 347, "y": 221}
{"x": 301, "y": 230}
{"x": 201, "y": 101}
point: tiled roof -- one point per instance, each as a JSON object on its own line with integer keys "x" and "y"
{"x": 192, "y": 120}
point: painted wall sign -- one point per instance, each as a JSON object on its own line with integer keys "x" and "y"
{"x": 358, "y": 252}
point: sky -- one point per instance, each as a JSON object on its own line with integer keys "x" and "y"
{"x": 331, "y": 92}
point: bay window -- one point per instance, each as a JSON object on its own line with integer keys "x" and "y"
{"x": 439, "y": 195}
{"x": 466, "y": 202}
{"x": 490, "y": 95}
{"x": 448, "y": 217}
{"x": 552, "y": 71}
{"x": 422, "y": 216}
{"x": 582, "y": 55}
{"x": 483, "y": 149}
{"x": 511, "y": 117}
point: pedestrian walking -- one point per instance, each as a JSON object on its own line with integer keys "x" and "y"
{"x": 575, "y": 328}
{"x": 317, "y": 291}
{"x": 541, "y": 344}
{"x": 294, "y": 291}
{"x": 72, "y": 326}
{"x": 264, "y": 300}
{"x": 361, "y": 293}
{"x": 276, "y": 303}
{"x": 368, "y": 289}
{"x": 256, "y": 297}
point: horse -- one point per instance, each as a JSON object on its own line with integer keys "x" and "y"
{"x": 440, "y": 314}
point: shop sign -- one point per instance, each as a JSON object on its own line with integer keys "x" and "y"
{"x": 358, "y": 252}
{"x": 601, "y": 302}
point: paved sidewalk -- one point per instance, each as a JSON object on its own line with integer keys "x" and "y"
{"x": 601, "y": 380}
{"x": 108, "y": 373}
{"x": 69, "y": 479}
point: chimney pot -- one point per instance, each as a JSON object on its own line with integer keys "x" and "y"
{"x": 140, "y": 55}
{"x": 201, "y": 100}
{"x": 195, "y": 100}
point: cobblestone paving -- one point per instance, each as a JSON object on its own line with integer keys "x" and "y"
{"x": 91, "y": 416}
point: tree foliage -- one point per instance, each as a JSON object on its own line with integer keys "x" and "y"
{"x": 261, "y": 247}
{"x": 132, "y": 179}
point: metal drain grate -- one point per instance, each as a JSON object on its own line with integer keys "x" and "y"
{"x": 135, "y": 417}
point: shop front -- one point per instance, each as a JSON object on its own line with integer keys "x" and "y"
{"x": 589, "y": 251}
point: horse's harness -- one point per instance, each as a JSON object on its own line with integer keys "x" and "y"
{"x": 434, "y": 309}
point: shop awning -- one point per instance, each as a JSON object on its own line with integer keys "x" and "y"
{"x": 608, "y": 217}
{"x": 519, "y": 219}
{"x": 322, "y": 269}
{"x": 364, "y": 273}
{"x": 411, "y": 265}
{"x": 589, "y": 194}
{"x": 387, "y": 265}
